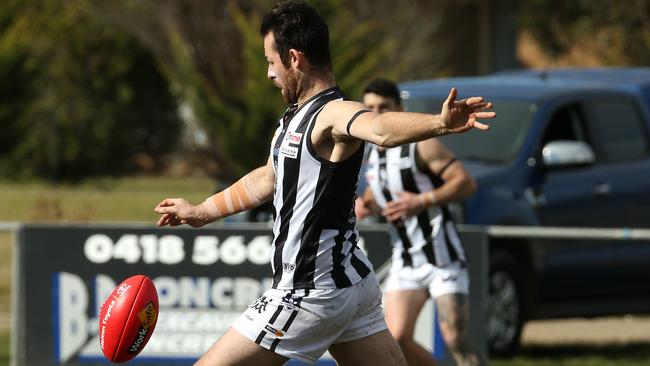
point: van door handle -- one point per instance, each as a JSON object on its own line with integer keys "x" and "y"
{"x": 535, "y": 197}
{"x": 601, "y": 189}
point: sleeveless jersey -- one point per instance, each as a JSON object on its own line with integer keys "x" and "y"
{"x": 314, "y": 230}
{"x": 429, "y": 237}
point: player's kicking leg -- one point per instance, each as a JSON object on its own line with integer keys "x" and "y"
{"x": 235, "y": 349}
{"x": 377, "y": 349}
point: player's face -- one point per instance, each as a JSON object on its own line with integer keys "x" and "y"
{"x": 380, "y": 104}
{"x": 282, "y": 77}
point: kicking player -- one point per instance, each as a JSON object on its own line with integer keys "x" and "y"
{"x": 325, "y": 295}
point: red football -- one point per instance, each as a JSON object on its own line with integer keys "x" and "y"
{"x": 127, "y": 318}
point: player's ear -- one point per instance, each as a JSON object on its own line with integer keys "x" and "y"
{"x": 296, "y": 58}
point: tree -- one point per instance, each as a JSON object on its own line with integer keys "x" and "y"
{"x": 612, "y": 33}
{"x": 212, "y": 54}
{"x": 80, "y": 98}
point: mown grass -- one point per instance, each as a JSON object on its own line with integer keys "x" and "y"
{"x": 634, "y": 354}
{"x": 5, "y": 295}
{"x": 5, "y": 338}
{"x": 129, "y": 199}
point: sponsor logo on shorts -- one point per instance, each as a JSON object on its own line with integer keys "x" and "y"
{"x": 277, "y": 332}
{"x": 291, "y": 302}
{"x": 450, "y": 278}
{"x": 260, "y": 304}
{"x": 288, "y": 267}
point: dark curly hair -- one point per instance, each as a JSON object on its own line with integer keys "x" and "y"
{"x": 297, "y": 25}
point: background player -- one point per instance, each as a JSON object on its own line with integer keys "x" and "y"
{"x": 412, "y": 184}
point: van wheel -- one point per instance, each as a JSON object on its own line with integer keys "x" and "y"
{"x": 506, "y": 312}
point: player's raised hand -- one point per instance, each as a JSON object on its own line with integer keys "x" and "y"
{"x": 178, "y": 211}
{"x": 463, "y": 115}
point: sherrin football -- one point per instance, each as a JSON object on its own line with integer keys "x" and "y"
{"x": 127, "y": 318}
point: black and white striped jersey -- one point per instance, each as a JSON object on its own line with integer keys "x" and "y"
{"x": 429, "y": 237}
{"x": 315, "y": 235}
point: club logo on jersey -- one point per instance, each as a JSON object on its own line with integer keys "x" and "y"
{"x": 277, "y": 332}
{"x": 294, "y": 138}
{"x": 289, "y": 151}
{"x": 288, "y": 267}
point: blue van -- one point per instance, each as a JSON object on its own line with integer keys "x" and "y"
{"x": 567, "y": 149}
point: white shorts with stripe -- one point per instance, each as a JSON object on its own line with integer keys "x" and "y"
{"x": 303, "y": 324}
{"x": 452, "y": 279}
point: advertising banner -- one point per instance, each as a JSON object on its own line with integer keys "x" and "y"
{"x": 205, "y": 278}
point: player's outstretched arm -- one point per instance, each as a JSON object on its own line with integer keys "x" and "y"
{"x": 250, "y": 191}
{"x": 396, "y": 128}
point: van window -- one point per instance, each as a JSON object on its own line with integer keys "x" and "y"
{"x": 567, "y": 123}
{"x": 501, "y": 144}
{"x": 620, "y": 125}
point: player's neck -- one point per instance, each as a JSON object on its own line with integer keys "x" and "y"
{"x": 315, "y": 85}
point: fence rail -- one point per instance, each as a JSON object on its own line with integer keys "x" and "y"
{"x": 537, "y": 232}
{"x": 9, "y": 226}
{"x": 567, "y": 233}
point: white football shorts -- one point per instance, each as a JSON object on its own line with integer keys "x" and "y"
{"x": 303, "y": 324}
{"x": 452, "y": 279}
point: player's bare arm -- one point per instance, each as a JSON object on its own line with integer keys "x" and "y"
{"x": 250, "y": 191}
{"x": 436, "y": 158}
{"x": 396, "y": 128}
{"x": 439, "y": 160}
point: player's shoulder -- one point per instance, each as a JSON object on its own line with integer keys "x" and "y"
{"x": 343, "y": 107}
{"x": 340, "y": 111}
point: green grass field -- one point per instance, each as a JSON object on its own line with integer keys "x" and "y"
{"x": 129, "y": 199}
{"x": 580, "y": 355}
{"x": 132, "y": 199}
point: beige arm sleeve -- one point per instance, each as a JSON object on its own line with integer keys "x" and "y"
{"x": 241, "y": 196}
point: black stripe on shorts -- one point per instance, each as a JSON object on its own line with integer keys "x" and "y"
{"x": 260, "y": 337}
{"x": 291, "y": 319}
{"x": 274, "y": 344}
